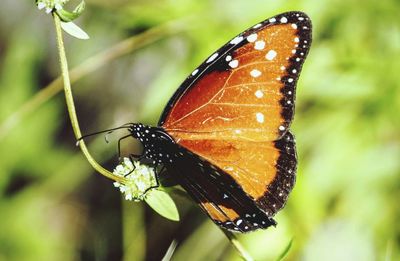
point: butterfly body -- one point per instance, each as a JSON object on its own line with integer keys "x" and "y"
{"x": 158, "y": 146}
{"x": 224, "y": 135}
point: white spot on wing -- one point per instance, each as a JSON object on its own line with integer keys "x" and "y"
{"x": 255, "y": 73}
{"x": 237, "y": 40}
{"x": 284, "y": 20}
{"x": 259, "y": 45}
{"x": 252, "y": 38}
{"x": 228, "y": 58}
{"x": 259, "y": 94}
{"x": 257, "y": 26}
{"x": 260, "y": 117}
{"x": 294, "y": 26}
{"x": 272, "y": 20}
{"x": 271, "y": 55}
{"x": 234, "y": 63}
{"x": 212, "y": 58}
{"x": 195, "y": 72}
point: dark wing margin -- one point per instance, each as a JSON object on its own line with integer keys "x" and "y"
{"x": 304, "y": 34}
{"x": 278, "y": 191}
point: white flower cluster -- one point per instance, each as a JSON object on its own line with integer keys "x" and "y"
{"x": 138, "y": 179}
{"x": 50, "y": 5}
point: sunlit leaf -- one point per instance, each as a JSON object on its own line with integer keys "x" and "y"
{"x": 162, "y": 203}
{"x": 74, "y": 30}
{"x": 67, "y": 16}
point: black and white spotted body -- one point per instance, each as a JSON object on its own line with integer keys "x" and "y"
{"x": 158, "y": 146}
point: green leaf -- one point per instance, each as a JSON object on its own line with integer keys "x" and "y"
{"x": 162, "y": 203}
{"x": 80, "y": 8}
{"x": 285, "y": 251}
{"x": 67, "y": 16}
{"x": 74, "y": 30}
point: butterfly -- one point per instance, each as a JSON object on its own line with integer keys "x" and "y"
{"x": 224, "y": 135}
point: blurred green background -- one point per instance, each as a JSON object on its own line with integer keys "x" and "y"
{"x": 53, "y": 206}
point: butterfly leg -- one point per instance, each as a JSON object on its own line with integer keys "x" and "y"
{"x": 119, "y": 148}
{"x": 132, "y": 158}
{"x": 134, "y": 166}
{"x": 156, "y": 178}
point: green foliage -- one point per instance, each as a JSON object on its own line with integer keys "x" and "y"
{"x": 162, "y": 203}
{"x": 285, "y": 251}
{"x": 344, "y": 205}
{"x": 74, "y": 30}
{"x": 67, "y": 16}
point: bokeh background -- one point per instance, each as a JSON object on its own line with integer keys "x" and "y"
{"x": 53, "y": 206}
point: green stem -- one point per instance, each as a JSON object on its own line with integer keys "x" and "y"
{"x": 242, "y": 251}
{"x": 70, "y": 103}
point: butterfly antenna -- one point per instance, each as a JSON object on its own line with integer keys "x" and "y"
{"x": 106, "y": 136}
{"x": 108, "y": 131}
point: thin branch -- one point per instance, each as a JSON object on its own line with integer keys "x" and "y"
{"x": 71, "y": 106}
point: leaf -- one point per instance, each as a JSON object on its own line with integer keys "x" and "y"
{"x": 162, "y": 203}
{"x": 285, "y": 251}
{"x": 80, "y": 8}
{"x": 74, "y": 30}
{"x": 67, "y": 16}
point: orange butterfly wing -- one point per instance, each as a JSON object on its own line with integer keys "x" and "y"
{"x": 235, "y": 110}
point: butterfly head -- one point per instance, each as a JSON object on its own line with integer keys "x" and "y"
{"x": 156, "y": 142}
{"x": 139, "y": 131}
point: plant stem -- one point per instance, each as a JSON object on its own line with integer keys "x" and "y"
{"x": 242, "y": 251}
{"x": 70, "y": 103}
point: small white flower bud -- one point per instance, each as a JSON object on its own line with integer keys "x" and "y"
{"x": 138, "y": 178}
{"x": 41, "y": 5}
